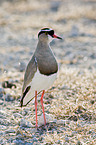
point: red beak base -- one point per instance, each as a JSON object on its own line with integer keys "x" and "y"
{"x": 55, "y": 36}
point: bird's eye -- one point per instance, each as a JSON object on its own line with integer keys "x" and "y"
{"x": 46, "y": 33}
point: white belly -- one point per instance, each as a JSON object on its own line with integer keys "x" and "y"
{"x": 39, "y": 82}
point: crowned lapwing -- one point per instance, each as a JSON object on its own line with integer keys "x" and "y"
{"x": 41, "y": 70}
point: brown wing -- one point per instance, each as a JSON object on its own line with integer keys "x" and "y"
{"x": 29, "y": 73}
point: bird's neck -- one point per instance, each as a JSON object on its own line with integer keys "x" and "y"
{"x": 43, "y": 45}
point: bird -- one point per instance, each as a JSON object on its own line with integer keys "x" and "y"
{"x": 40, "y": 72}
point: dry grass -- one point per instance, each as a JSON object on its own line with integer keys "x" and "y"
{"x": 75, "y": 99}
{"x": 77, "y": 87}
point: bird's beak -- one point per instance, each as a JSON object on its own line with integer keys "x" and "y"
{"x": 55, "y": 36}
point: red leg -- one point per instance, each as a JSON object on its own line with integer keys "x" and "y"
{"x": 43, "y": 106}
{"x": 36, "y": 107}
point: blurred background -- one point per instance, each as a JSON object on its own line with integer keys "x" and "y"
{"x": 20, "y": 21}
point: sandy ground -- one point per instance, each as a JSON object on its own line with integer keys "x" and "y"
{"x": 70, "y": 105}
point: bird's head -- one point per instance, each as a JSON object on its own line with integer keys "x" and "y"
{"x": 45, "y": 32}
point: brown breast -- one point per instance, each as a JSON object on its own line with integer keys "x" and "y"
{"x": 46, "y": 62}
